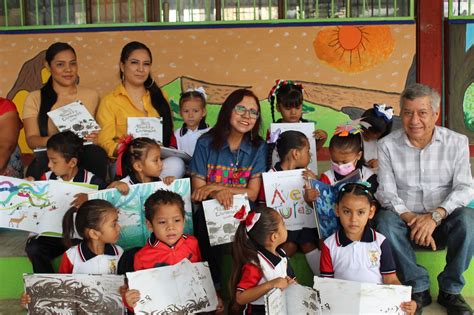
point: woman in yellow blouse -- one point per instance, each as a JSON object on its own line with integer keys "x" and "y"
{"x": 61, "y": 89}
{"x": 136, "y": 96}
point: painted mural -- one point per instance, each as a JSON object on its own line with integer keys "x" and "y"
{"x": 461, "y": 78}
{"x": 344, "y": 69}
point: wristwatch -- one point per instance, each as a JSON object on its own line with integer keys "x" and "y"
{"x": 437, "y": 217}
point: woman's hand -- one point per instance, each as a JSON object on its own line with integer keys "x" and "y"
{"x": 132, "y": 297}
{"x": 203, "y": 192}
{"x": 225, "y": 198}
{"x": 92, "y": 137}
{"x": 168, "y": 180}
{"x": 122, "y": 187}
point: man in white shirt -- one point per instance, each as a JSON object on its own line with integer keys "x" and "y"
{"x": 425, "y": 183}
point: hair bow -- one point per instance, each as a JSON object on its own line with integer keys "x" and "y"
{"x": 384, "y": 111}
{"x": 122, "y": 147}
{"x": 274, "y": 136}
{"x": 278, "y": 84}
{"x": 351, "y": 127}
{"x": 250, "y": 218}
{"x": 199, "y": 90}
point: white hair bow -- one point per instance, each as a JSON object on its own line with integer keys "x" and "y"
{"x": 199, "y": 90}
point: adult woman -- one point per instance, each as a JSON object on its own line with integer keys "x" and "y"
{"x": 10, "y": 125}
{"x": 61, "y": 89}
{"x": 136, "y": 96}
{"x": 228, "y": 160}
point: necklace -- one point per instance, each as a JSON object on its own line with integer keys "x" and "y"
{"x": 235, "y": 166}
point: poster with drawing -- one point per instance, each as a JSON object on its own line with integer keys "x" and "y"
{"x": 184, "y": 288}
{"x": 74, "y": 294}
{"x": 150, "y": 127}
{"x": 38, "y": 206}
{"x": 74, "y": 117}
{"x": 284, "y": 192}
{"x": 307, "y": 128}
{"x": 221, "y": 224}
{"x": 325, "y": 204}
{"x": 295, "y": 299}
{"x": 360, "y": 298}
{"x": 131, "y": 208}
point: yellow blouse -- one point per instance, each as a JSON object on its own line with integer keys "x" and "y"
{"x": 114, "y": 109}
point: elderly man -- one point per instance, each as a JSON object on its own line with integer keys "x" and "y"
{"x": 425, "y": 183}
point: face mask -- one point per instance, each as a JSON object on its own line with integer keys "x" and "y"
{"x": 343, "y": 169}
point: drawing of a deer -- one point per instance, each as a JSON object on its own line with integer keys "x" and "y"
{"x": 16, "y": 220}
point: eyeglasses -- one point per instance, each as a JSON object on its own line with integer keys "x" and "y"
{"x": 241, "y": 110}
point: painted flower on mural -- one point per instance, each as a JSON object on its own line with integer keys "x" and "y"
{"x": 354, "y": 49}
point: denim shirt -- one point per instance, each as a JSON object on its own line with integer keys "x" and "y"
{"x": 233, "y": 169}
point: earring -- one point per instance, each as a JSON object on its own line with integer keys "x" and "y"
{"x": 122, "y": 76}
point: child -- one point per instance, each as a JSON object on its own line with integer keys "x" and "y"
{"x": 192, "y": 107}
{"x": 259, "y": 264}
{"x": 346, "y": 150}
{"x": 167, "y": 245}
{"x": 289, "y": 102}
{"x": 293, "y": 148}
{"x": 139, "y": 161}
{"x": 96, "y": 221}
{"x": 380, "y": 120}
{"x": 357, "y": 252}
{"x": 64, "y": 151}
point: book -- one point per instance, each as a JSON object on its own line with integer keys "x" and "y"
{"x": 221, "y": 224}
{"x": 74, "y": 117}
{"x": 294, "y": 299}
{"x": 184, "y": 288}
{"x": 167, "y": 152}
{"x": 149, "y": 127}
{"x": 74, "y": 294}
{"x": 359, "y": 297}
{"x": 325, "y": 204}
{"x": 307, "y": 128}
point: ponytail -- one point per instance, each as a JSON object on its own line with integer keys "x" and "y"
{"x": 162, "y": 106}
{"x": 68, "y": 226}
{"x": 48, "y": 99}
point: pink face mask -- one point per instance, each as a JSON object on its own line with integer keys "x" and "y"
{"x": 343, "y": 169}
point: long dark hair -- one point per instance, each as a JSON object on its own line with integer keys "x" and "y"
{"x": 289, "y": 95}
{"x": 158, "y": 100}
{"x": 221, "y": 130}
{"x": 89, "y": 216}
{"x": 244, "y": 246}
{"x": 136, "y": 150}
{"x": 289, "y": 140}
{"x": 48, "y": 94}
{"x": 377, "y": 124}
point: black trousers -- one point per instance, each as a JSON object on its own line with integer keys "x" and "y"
{"x": 42, "y": 250}
{"x": 94, "y": 159}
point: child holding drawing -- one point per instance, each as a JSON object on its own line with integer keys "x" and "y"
{"x": 167, "y": 245}
{"x": 293, "y": 148}
{"x": 96, "y": 221}
{"x": 259, "y": 264}
{"x": 192, "y": 107}
{"x": 139, "y": 161}
{"x": 64, "y": 151}
{"x": 357, "y": 252}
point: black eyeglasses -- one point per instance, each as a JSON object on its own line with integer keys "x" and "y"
{"x": 241, "y": 110}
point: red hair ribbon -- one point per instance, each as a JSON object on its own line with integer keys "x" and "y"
{"x": 122, "y": 147}
{"x": 250, "y": 218}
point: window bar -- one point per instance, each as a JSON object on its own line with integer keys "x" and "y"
{"x": 36, "y": 12}
{"x": 363, "y": 7}
{"x": 145, "y": 11}
{"x": 332, "y": 8}
{"x": 459, "y": 7}
{"x": 469, "y": 7}
{"x": 22, "y": 14}
{"x": 269, "y": 9}
{"x": 237, "y": 11}
{"x": 5, "y": 5}
{"x": 83, "y": 10}
{"x": 67, "y": 12}
{"x": 52, "y": 11}
{"x": 301, "y": 10}
{"x": 348, "y": 8}
{"x": 380, "y": 7}
{"x": 161, "y": 13}
{"x": 114, "y": 16}
{"x": 207, "y": 10}
{"x": 316, "y": 9}
{"x": 98, "y": 11}
{"x": 395, "y": 8}
{"x": 178, "y": 11}
{"x": 255, "y": 10}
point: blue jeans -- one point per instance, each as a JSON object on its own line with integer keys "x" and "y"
{"x": 456, "y": 232}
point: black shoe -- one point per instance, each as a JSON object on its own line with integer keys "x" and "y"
{"x": 454, "y": 303}
{"x": 422, "y": 298}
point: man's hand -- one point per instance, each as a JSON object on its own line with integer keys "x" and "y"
{"x": 422, "y": 227}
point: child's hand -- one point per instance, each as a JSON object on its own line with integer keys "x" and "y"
{"x": 120, "y": 186}
{"x": 310, "y": 194}
{"x": 168, "y": 180}
{"x": 30, "y": 178}
{"x": 25, "y": 300}
{"x": 92, "y": 137}
{"x": 79, "y": 199}
{"x": 291, "y": 280}
{"x": 321, "y": 137}
{"x": 408, "y": 307}
{"x": 280, "y": 283}
{"x": 374, "y": 163}
{"x": 225, "y": 198}
{"x": 132, "y": 297}
{"x": 123, "y": 289}
{"x": 309, "y": 174}
{"x": 220, "y": 305}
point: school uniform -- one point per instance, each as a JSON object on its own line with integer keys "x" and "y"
{"x": 186, "y": 138}
{"x": 271, "y": 267}
{"x": 132, "y": 180}
{"x": 42, "y": 249}
{"x": 80, "y": 259}
{"x": 158, "y": 254}
{"x": 367, "y": 260}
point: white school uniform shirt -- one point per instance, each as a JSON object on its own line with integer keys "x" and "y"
{"x": 370, "y": 150}
{"x": 80, "y": 259}
{"x": 186, "y": 138}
